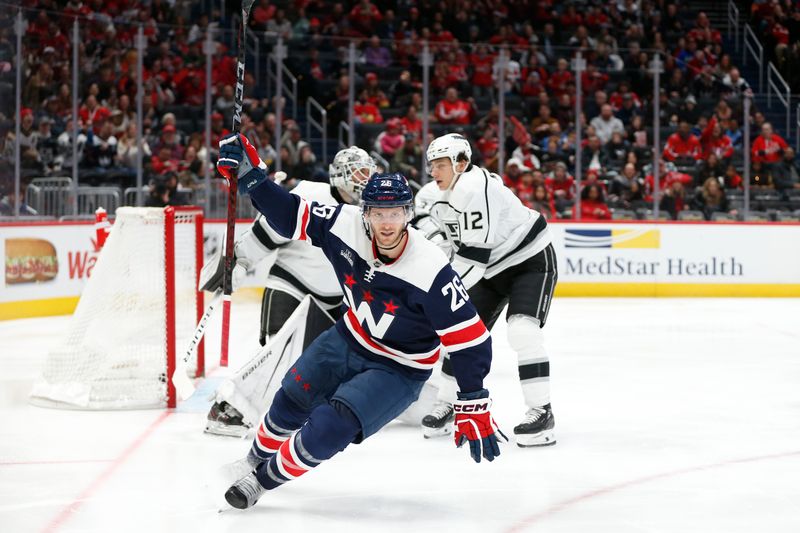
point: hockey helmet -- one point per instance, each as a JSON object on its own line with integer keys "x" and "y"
{"x": 454, "y": 146}
{"x": 351, "y": 169}
{"x": 387, "y": 190}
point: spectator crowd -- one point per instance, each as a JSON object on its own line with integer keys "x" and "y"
{"x": 701, "y": 165}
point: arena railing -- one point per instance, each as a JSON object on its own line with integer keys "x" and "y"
{"x": 317, "y": 126}
{"x": 754, "y": 48}
{"x": 343, "y": 135}
{"x": 797, "y": 125}
{"x": 50, "y": 196}
{"x": 90, "y": 198}
{"x": 776, "y": 84}
{"x": 288, "y": 85}
{"x": 733, "y": 23}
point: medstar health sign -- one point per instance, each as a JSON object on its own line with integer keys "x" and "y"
{"x": 676, "y": 259}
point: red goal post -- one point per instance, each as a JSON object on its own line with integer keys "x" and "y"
{"x": 173, "y": 216}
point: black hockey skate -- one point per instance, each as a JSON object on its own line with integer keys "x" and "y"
{"x": 245, "y": 492}
{"x": 439, "y": 422}
{"x": 224, "y": 419}
{"x": 536, "y": 428}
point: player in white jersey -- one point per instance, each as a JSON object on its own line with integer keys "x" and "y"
{"x": 502, "y": 250}
{"x": 298, "y": 268}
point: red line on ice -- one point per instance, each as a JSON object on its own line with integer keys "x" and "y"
{"x": 54, "y": 462}
{"x": 557, "y": 507}
{"x": 73, "y": 507}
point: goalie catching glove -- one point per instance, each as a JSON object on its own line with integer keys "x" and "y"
{"x": 474, "y": 423}
{"x": 236, "y": 154}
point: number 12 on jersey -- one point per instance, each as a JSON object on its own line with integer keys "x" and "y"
{"x": 458, "y": 294}
{"x": 472, "y": 220}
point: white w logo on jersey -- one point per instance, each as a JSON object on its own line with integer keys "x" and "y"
{"x": 364, "y": 315}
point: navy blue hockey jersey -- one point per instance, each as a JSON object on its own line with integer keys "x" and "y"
{"x": 402, "y": 312}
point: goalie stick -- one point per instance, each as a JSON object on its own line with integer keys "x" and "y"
{"x": 238, "y": 102}
{"x": 180, "y": 378}
{"x": 184, "y": 385}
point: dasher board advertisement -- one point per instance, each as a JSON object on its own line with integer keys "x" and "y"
{"x": 47, "y": 264}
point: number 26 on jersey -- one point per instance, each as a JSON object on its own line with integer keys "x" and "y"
{"x": 458, "y": 294}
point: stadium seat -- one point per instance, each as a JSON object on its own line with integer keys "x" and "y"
{"x": 691, "y": 215}
{"x": 623, "y": 214}
{"x": 647, "y": 214}
{"x": 783, "y": 216}
{"x": 757, "y": 216}
{"x": 723, "y": 217}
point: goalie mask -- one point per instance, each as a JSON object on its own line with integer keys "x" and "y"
{"x": 350, "y": 171}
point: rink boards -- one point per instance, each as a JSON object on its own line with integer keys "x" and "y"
{"x": 623, "y": 259}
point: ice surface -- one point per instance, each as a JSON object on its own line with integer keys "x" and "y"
{"x": 672, "y": 415}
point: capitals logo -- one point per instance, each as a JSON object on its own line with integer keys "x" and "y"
{"x": 363, "y": 313}
{"x": 612, "y": 238}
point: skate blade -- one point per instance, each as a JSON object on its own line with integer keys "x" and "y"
{"x": 433, "y": 433}
{"x": 544, "y": 438}
{"x": 215, "y": 428}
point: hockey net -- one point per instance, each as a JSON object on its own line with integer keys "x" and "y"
{"x": 139, "y": 307}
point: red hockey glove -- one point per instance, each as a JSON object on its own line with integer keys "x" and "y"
{"x": 474, "y": 423}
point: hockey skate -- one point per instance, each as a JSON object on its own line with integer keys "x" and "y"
{"x": 439, "y": 422}
{"x": 536, "y": 429}
{"x": 224, "y": 419}
{"x": 238, "y": 469}
{"x": 245, "y": 492}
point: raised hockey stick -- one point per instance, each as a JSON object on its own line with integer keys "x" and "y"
{"x": 180, "y": 378}
{"x": 227, "y": 274}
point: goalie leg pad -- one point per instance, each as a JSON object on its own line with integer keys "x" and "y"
{"x": 276, "y": 308}
{"x": 525, "y": 337}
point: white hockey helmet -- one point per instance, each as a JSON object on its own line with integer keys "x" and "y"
{"x": 450, "y": 145}
{"x": 351, "y": 169}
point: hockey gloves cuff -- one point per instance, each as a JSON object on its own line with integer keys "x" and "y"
{"x": 236, "y": 154}
{"x": 474, "y": 423}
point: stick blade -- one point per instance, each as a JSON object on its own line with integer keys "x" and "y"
{"x": 184, "y": 386}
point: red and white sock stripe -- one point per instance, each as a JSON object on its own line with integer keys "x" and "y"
{"x": 268, "y": 441}
{"x": 289, "y": 462}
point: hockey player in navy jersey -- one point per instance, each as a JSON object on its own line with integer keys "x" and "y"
{"x": 503, "y": 253}
{"x": 404, "y": 303}
{"x": 297, "y": 269}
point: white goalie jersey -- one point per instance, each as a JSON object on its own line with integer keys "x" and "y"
{"x": 299, "y": 268}
{"x": 487, "y": 226}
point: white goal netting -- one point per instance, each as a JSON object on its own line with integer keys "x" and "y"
{"x": 117, "y": 351}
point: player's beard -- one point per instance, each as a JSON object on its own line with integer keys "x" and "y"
{"x": 387, "y": 242}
